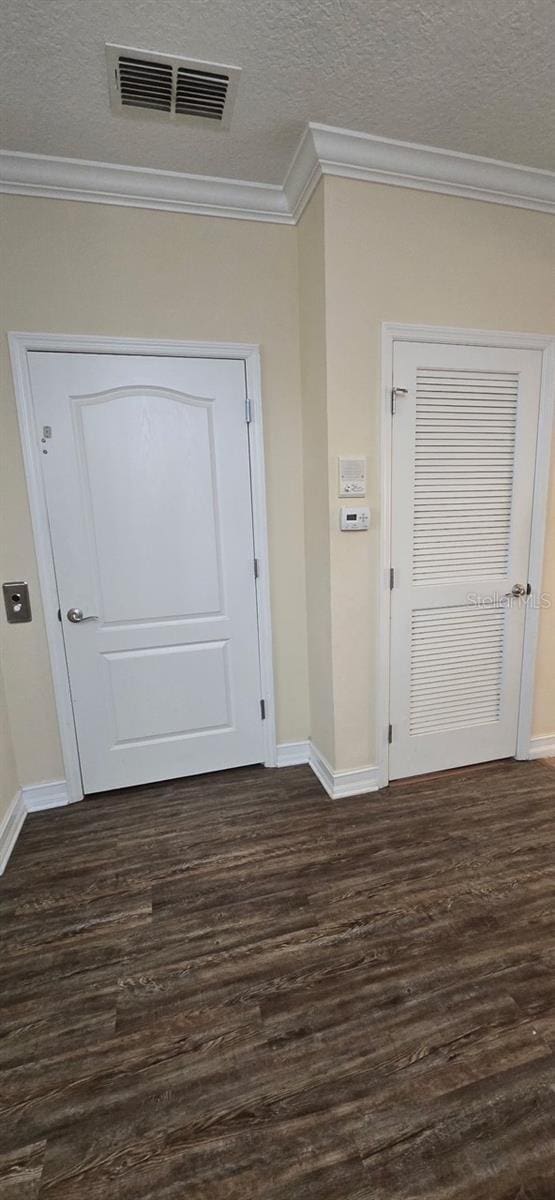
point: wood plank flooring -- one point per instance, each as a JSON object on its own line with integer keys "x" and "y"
{"x": 231, "y": 988}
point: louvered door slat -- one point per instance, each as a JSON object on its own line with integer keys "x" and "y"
{"x": 457, "y": 456}
{"x": 463, "y": 460}
{"x": 443, "y": 663}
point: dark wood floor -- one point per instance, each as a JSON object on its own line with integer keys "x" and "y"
{"x": 234, "y": 989}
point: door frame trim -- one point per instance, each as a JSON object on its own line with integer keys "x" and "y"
{"x": 20, "y": 346}
{"x": 393, "y": 332}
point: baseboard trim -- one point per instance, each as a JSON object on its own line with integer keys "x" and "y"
{"x": 10, "y": 828}
{"x": 322, "y": 770}
{"x": 337, "y": 784}
{"x": 543, "y": 747}
{"x": 340, "y": 784}
{"x": 45, "y": 795}
{"x": 292, "y": 754}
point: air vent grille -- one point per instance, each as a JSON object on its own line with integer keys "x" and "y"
{"x": 176, "y": 87}
{"x": 145, "y": 84}
{"x": 201, "y": 94}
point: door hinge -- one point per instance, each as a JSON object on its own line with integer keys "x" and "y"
{"x": 262, "y": 710}
{"x": 248, "y": 411}
{"x": 390, "y": 734}
{"x": 256, "y": 569}
{"x": 397, "y": 391}
{"x": 391, "y": 578}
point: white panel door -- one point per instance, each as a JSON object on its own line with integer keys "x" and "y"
{"x": 147, "y": 483}
{"x": 464, "y": 445}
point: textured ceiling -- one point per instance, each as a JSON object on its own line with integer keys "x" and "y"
{"x": 468, "y": 75}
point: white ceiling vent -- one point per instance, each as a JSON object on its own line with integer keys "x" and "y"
{"x": 147, "y": 84}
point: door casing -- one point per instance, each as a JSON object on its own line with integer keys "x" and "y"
{"x": 391, "y": 333}
{"x": 22, "y": 344}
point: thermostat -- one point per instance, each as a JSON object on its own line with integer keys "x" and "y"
{"x": 352, "y": 476}
{"x": 354, "y": 518}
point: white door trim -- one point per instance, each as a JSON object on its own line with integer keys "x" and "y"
{"x": 21, "y": 344}
{"x": 391, "y": 333}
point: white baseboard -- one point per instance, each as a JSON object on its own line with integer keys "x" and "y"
{"x": 336, "y": 783}
{"x": 543, "y": 747}
{"x": 45, "y": 795}
{"x": 340, "y": 784}
{"x": 28, "y": 799}
{"x": 10, "y": 828}
{"x": 292, "y": 754}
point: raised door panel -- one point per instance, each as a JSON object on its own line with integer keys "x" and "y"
{"x": 149, "y": 491}
{"x": 171, "y": 691}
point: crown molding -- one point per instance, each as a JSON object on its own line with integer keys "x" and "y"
{"x": 107, "y": 183}
{"x": 406, "y": 164}
{"x": 303, "y": 175}
{"x": 322, "y": 150}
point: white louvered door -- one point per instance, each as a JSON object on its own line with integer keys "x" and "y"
{"x": 463, "y": 457}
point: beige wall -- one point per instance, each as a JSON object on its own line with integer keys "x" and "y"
{"x": 394, "y": 254}
{"x": 8, "y": 774}
{"x": 312, "y": 297}
{"x": 87, "y": 268}
{"x": 362, "y": 254}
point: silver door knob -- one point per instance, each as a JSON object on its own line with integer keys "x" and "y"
{"x": 518, "y": 589}
{"x": 75, "y": 615}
